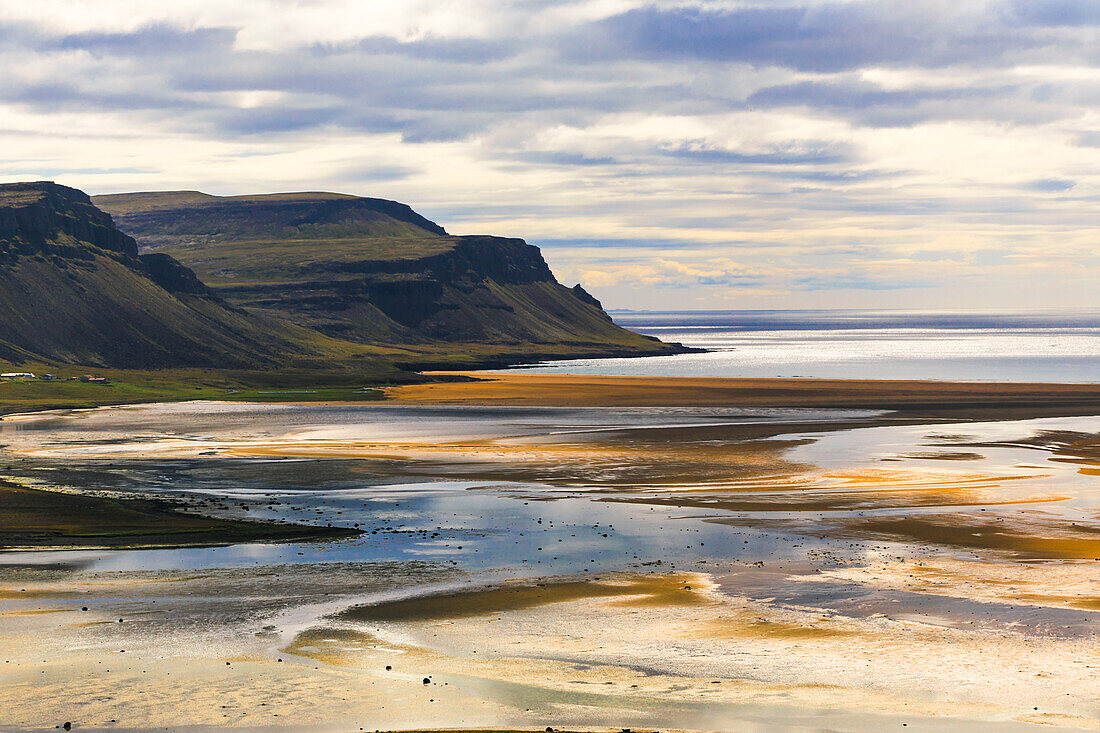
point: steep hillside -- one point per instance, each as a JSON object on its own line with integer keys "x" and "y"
{"x": 74, "y": 289}
{"x": 375, "y": 272}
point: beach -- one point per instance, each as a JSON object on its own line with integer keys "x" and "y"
{"x": 582, "y": 553}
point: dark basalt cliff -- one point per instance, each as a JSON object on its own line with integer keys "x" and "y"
{"x": 74, "y": 289}
{"x": 44, "y": 218}
{"x": 375, "y": 272}
{"x": 61, "y": 223}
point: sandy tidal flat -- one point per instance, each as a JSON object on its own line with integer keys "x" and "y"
{"x": 724, "y": 568}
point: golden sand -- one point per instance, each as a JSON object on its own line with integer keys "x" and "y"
{"x": 567, "y": 390}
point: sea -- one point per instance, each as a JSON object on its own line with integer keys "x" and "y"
{"x": 1047, "y": 346}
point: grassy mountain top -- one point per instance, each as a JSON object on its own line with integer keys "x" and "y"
{"x": 270, "y": 217}
{"x": 269, "y": 238}
{"x": 373, "y": 271}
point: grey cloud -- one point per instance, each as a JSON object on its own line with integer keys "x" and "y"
{"x": 856, "y": 281}
{"x": 828, "y": 37}
{"x": 551, "y": 157}
{"x": 1089, "y": 139}
{"x": 1058, "y": 12}
{"x": 455, "y": 50}
{"x": 869, "y": 104}
{"x": 64, "y": 96}
{"x": 808, "y": 153}
{"x": 1050, "y": 185}
{"x": 152, "y": 40}
{"x": 855, "y": 94}
{"x": 262, "y": 120}
{"x": 835, "y": 176}
{"x": 380, "y": 173}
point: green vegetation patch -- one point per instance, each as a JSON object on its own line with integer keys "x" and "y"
{"x": 130, "y": 387}
{"x": 269, "y": 261}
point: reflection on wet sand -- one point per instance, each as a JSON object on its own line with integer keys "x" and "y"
{"x": 1052, "y": 586}
{"x": 696, "y": 569}
{"x": 1024, "y": 536}
{"x": 655, "y": 590}
{"x": 696, "y": 642}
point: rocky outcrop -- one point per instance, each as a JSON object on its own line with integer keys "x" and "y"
{"x": 44, "y": 216}
{"x": 172, "y": 276}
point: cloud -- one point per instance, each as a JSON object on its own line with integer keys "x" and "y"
{"x": 551, "y": 157}
{"x": 1050, "y": 185}
{"x": 1075, "y": 13}
{"x": 791, "y": 153}
{"x": 158, "y": 39}
{"x": 858, "y": 281}
{"x": 820, "y": 37}
{"x": 659, "y": 145}
{"x": 1089, "y": 139}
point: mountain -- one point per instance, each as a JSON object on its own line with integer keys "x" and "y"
{"x": 74, "y": 289}
{"x": 374, "y": 271}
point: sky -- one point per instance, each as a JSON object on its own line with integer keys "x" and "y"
{"x": 927, "y": 154}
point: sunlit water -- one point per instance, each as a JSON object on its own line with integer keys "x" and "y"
{"x": 1045, "y": 347}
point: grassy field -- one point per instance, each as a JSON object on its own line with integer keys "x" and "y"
{"x": 28, "y": 395}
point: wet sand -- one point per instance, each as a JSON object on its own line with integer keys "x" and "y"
{"x": 976, "y": 400}
{"x": 672, "y": 651}
{"x": 31, "y": 517}
{"x": 652, "y": 568}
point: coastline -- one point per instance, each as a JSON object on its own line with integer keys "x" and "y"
{"x": 69, "y": 519}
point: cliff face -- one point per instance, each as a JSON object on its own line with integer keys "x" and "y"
{"x": 74, "y": 289}
{"x": 43, "y": 218}
{"x": 375, "y": 272}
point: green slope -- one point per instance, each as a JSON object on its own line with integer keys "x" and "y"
{"x": 373, "y": 271}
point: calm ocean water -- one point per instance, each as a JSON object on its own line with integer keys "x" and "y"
{"x": 1017, "y": 347}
